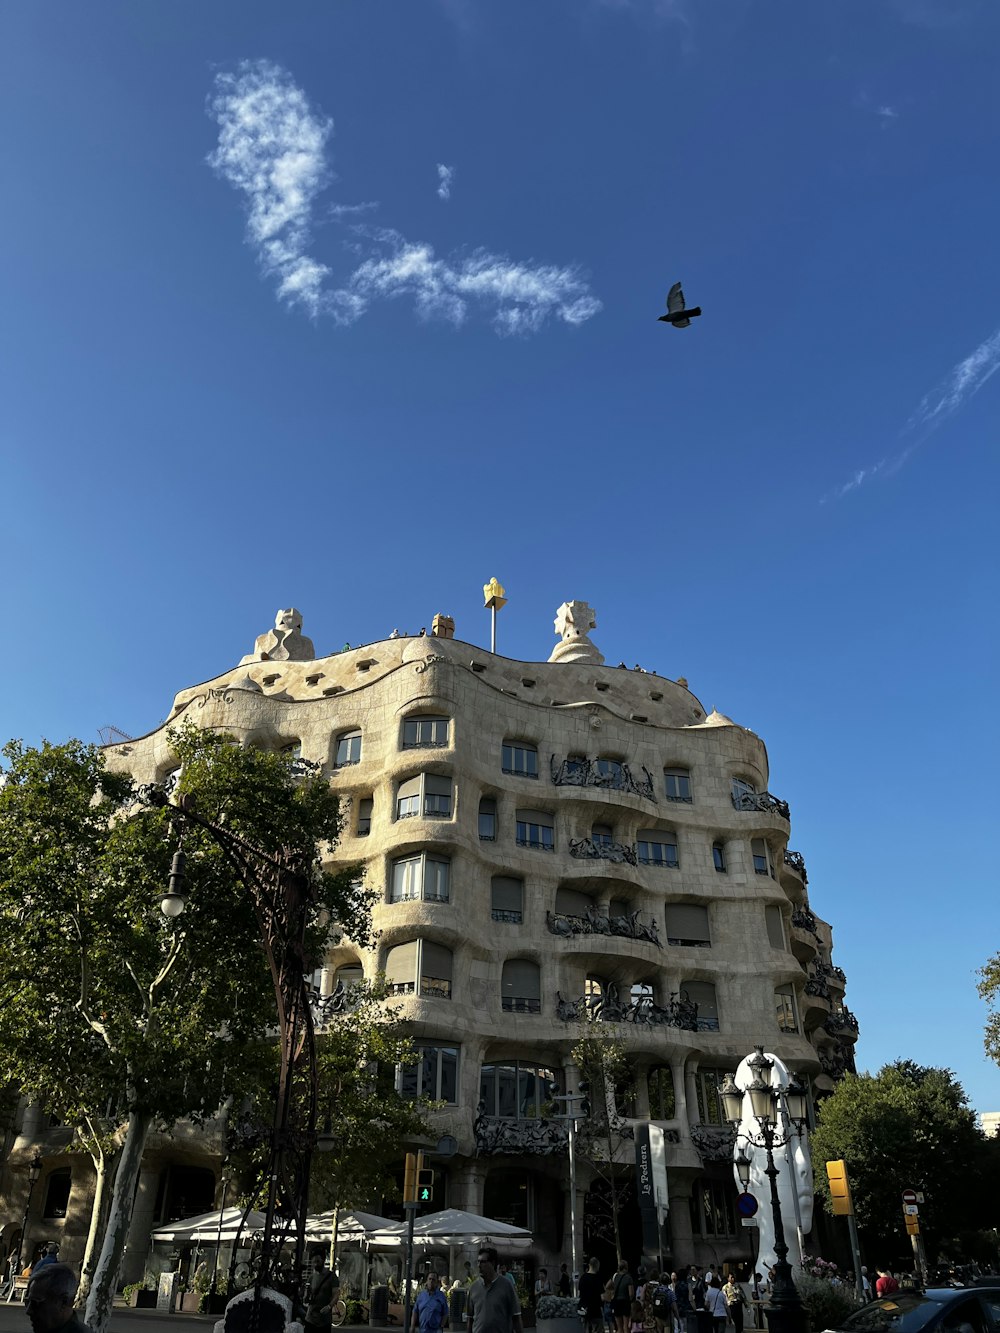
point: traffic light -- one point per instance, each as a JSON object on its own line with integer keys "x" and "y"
{"x": 583, "y": 1089}
{"x": 409, "y": 1177}
{"x": 425, "y": 1187}
{"x": 840, "y": 1189}
{"x": 912, "y": 1225}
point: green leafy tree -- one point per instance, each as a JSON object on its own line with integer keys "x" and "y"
{"x": 989, "y": 990}
{"x": 102, "y": 999}
{"x": 906, "y": 1127}
{"x": 604, "y": 1138}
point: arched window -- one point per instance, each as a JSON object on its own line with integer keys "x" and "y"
{"x": 351, "y": 974}
{"x": 521, "y": 987}
{"x": 762, "y": 862}
{"x": 719, "y": 856}
{"x": 713, "y": 1215}
{"x": 348, "y": 749}
{"x": 784, "y": 1008}
{"x": 517, "y": 1091}
{"x": 658, "y": 847}
{"x": 366, "y": 806}
{"x": 641, "y": 992}
{"x": 507, "y": 899}
{"x": 702, "y": 993}
{"x": 687, "y": 924}
{"x": 519, "y": 758}
{"x": 421, "y": 876}
{"x": 571, "y": 902}
{"x": 602, "y": 835}
{"x": 743, "y": 791}
{"x": 419, "y": 967}
{"x": 425, "y": 732}
{"x": 427, "y": 794}
{"x": 677, "y": 784}
{"x": 488, "y": 819}
{"x": 536, "y": 828}
{"x": 662, "y": 1102}
{"x": 57, "y": 1189}
{"x": 775, "y": 927}
{"x": 610, "y": 771}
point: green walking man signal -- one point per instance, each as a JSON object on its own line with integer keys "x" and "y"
{"x": 425, "y": 1187}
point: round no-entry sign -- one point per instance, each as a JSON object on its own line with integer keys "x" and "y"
{"x": 909, "y": 1196}
{"x": 746, "y": 1205}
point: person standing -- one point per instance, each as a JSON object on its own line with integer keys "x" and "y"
{"x": 543, "y": 1287}
{"x": 493, "y": 1303}
{"x": 736, "y": 1302}
{"x": 715, "y": 1304}
{"x": 622, "y": 1298}
{"x": 430, "y": 1309}
{"x": 592, "y": 1298}
{"x": 48, "y": 1301}
{"x": 323, "y": 1288}
{"x": 565, "y": 1282}
{"x": 886, "y": 1284}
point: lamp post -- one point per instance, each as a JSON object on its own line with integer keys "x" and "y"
{"x": 785, "y": 1313}
{"x": 225, "y": 1177}
{"x": 34, "y": 1171}
{"x": 577, "y": 1107}
{"x": 283, "y": 894}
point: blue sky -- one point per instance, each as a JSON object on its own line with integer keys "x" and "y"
{"x": 227, "y": 387}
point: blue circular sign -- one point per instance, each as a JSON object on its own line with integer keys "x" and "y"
{"x": 746, "y": 1205}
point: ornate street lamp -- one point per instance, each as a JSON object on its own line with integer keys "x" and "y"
{"x": 786, "y": 1313}
{"x": 34, "y": 1171}
{"x": 283, "y": 894}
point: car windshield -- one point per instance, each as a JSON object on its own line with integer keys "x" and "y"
{"x": 905, "y": 1312}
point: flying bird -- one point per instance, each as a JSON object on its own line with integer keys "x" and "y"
{"x": 676, "y": 314}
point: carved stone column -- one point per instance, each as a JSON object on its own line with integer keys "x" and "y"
{"x": 642, "y": 1093}
{"x": 679, "y": 1222}
{"x": 691, "y": 1093}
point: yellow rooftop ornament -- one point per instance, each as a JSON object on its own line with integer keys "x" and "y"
{"x": 493, "y": 594}
{"x": 494, "y": 600}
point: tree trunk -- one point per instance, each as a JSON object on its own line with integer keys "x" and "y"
{"x": 105, "y": 1281}
{"x": 98, "y": 1220}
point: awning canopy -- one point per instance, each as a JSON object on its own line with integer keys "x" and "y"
{"x": 206, "y": 1226}
{"x": 350, "y": 1226}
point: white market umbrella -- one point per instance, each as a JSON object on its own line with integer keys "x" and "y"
{"x": 451, "y": 1226}
{"x": 350, "y": 1225}
{"x": 206, "y": 1226}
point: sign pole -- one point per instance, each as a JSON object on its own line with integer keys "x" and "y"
{"x": 852, "y": 1228}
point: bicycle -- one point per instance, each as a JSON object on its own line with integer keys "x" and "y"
{"x": 338, "y": 1312}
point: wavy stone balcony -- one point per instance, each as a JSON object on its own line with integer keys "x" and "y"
{"x": 804, "y": 935}
{"x": 589, "y": 849}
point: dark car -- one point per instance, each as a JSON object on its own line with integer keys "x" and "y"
{"x": 936, "y": 1310}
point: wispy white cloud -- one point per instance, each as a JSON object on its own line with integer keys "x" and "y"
{"x": 958, "y": 386}
{"x": 351, "y": 210}
{"x": 445, "y": 177}
{"x": 272, "y": 147}
{"x": 887, "y": 112}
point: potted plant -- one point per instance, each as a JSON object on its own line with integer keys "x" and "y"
{"x": 557, "y": 1314}
{"x": 140, "y": 1295}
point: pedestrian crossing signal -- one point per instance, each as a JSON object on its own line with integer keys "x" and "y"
{"x": 425, "y": 1187}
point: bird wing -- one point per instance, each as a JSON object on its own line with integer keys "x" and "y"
{"x": 675, "y": 299}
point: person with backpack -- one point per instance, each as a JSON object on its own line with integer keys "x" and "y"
{"x": 664, "y": 1307}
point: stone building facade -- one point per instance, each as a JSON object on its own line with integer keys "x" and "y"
{"x": 561, "y": 849}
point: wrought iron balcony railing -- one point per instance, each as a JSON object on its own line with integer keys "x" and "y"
{"x": 520, "y": 1004}
{"x": 798, "y": 862}
{"x": 593, "y": 923}
{"x": 805, "y": 920}
{"x": 760, "y": 800}
{"x": 616, "y": 776}
{"x": 606, "y": 1007}
{"x": 591, "y": 849}
{"x": 508, "y": 915}
{"x": 538, "y": 1137}
{"x": 841, "y": 1020}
